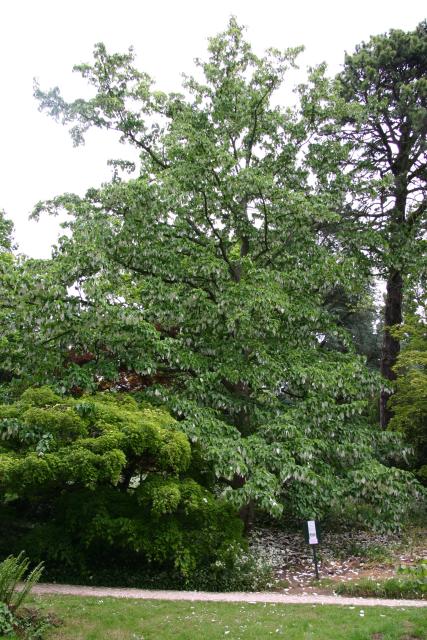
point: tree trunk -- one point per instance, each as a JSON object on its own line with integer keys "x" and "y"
{"x": 247, "y": 512}
{"x": 391, "y": 345}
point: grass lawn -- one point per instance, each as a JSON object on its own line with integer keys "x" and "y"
{"x": 93, "y": 618}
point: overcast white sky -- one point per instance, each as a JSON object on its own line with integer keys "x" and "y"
{"x": 44, "y": 38}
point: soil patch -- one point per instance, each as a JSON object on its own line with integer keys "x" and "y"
{"x": 344, "y": 556}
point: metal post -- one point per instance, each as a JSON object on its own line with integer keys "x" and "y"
{"x": 313, "y": 546}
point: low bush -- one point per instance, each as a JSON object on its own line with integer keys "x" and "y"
{"x": 410, "y": 583}
{"x": 6, "y": 620}
{"x": 417, "y": 574}
{"x": 370, "y": 553}
{"x": 237, "y": 570}
{"x": 12, "y": 572}
{"x": 25, "y": 624}
{"x": 15, "y": 621}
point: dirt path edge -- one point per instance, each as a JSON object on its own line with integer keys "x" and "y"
{"x": 203, "y": 596}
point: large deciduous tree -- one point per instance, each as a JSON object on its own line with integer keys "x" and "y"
{"x": 209, "y": 275}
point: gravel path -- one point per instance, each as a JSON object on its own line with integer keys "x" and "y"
{"x": 146, "y": 594}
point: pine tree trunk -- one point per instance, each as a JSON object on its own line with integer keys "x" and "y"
{"x": 391, "y": 345}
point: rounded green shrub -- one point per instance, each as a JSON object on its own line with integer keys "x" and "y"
{"x": 100, "y": 482}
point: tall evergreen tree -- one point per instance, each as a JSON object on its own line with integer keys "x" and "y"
{"x": 374, "y": 120}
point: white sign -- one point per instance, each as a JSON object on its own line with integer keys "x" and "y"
{"x": 312, "y": 533}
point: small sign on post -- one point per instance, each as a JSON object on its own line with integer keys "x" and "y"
{"x": 312, "y": 538}
{"x": 312, "y": 533}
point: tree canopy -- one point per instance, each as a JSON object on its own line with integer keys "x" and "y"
{"x": 208, "y": 279}
{"x": 223, "y": 278}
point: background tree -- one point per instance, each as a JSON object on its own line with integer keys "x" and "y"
{"x": 376, "y": 125}
{"x": 358, "y": 314}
